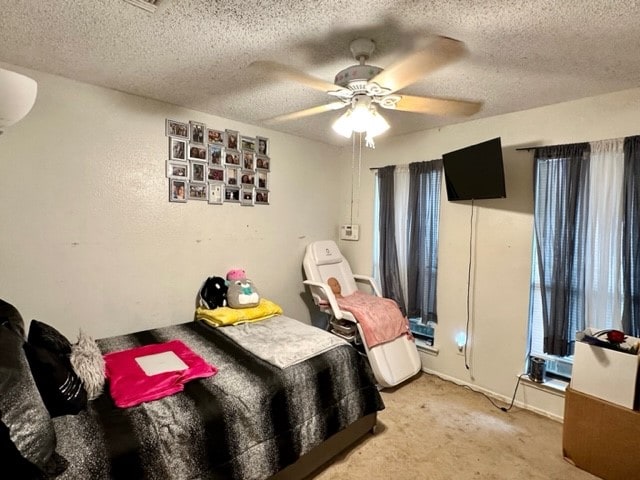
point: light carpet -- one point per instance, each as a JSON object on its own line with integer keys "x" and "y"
{"x": 436, "y": 430}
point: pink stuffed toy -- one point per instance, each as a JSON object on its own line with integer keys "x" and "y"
{"x": 236, "y": 274}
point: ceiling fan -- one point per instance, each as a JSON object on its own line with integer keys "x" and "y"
{"x": 363, "y": 87}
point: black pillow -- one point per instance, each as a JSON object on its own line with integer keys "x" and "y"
{"x": 23, "y": 411}
{"x": 12, "y": 460}
{"x": 46, "y": 336}
{"x": 60, "y": 387}
{"x": 11, "y": 318}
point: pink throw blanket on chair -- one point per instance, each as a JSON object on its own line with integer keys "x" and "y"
{"x": 380, "y": 318}
{"x": 130, "y": 385}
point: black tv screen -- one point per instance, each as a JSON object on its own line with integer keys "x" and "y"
{"x": 475, "y": 172}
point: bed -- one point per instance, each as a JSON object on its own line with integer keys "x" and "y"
{"x": 251, "y": 420}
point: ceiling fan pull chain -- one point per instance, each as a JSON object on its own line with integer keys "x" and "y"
{"x": 359, "y": 176}
{"x": 353, "y": 162}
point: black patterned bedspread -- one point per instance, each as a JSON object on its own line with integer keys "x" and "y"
{"x": 247, "y": 422}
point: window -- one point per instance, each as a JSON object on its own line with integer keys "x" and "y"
{"x": 406, "y": 221}
{"x": 586, "y": 225}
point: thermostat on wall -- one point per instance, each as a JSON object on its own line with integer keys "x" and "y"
{"x": 349, "y": 232}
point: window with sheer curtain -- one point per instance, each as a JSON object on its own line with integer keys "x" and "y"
{"x": 585, "y": 247}
{"x": 407, "y": 215}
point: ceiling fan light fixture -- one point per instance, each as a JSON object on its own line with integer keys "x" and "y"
{"x": 360, "y": 118}
{"x": 363, "y": 117}
{"x": 377, "y": 123}
{"x": 342, "y": 126}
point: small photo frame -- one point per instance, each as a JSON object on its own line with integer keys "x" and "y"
{"x": 173, "y": 128}
{"x": 177, "y": 149}
{"x": 246, "y": 197}
{"x": 197, "y": 152}
{"x": 262, "y": 146}
{"x": 262, "y": 180}
{"x": 232, "y": 194}
{"x": 215, "y": 136}
{"x": 247, "y": 178}
{"x": 198, "y": 172}
{"x": 262, "y": 197}
{"x": 216, "y": 153}
{"x": 248, "y": 143}
{"x": 232, "y": 176}
{"x": 215, "y": 174}
{"x": 177, "y": 170}
{"x": 231, "y": 139}
{"x": 177, "y": 190}
{"x": 216, "y": 193}
{"x": 263, "y": 162}
{"x": 196, "y": 132}
{"x": 198, "y": 191}
{"x": 232, "y": 157}
{"x": 248, "y": 160}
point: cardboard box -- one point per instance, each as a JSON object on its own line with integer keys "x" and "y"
{"x": 607, "y": 374}
{"x": 601, "y": 437}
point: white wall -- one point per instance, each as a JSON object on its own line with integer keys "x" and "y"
{"x": 89, "y": 238}
{"x": 503, "y": 230}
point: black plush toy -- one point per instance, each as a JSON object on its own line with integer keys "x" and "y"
{"x": 213, "y": 293}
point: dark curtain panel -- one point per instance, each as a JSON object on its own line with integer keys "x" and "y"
{"x": 423, "y": 223}
{"x": 560, "y": 192}
{"x": 389, "y": 271}
{"x": 631, "y": 238}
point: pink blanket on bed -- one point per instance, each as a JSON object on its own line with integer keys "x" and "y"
{"x": 130, "y": 385}
{"x": 380, "y": 318}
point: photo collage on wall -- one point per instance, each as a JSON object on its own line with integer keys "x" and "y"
{"x": 217, "y": 166}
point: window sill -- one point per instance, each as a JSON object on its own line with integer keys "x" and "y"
{"x": 426, "y": 348}
{"x": 551, "y": 385}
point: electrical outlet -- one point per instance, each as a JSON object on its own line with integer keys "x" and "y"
{"x": 461, "y": 342}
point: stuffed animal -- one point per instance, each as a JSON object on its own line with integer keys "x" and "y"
{"x": 242, "y": 294}
{"x": 334, "y": 284}
{"x": 213, "y": 293}
{"x": 236, "y": 274}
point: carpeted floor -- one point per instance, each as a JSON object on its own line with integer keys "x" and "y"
{"x": 432, "y": 429}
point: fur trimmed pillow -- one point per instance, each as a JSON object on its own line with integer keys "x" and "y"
{"x": 88, "y": 363}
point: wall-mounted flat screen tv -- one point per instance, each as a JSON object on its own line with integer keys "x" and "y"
{"x": 475, "y": 172}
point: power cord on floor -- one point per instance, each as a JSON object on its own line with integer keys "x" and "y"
{"x": 515, "y": 390}
{"x": 504, "y": 409}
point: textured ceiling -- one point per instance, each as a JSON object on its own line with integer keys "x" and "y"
{"x": 195, "y": 53}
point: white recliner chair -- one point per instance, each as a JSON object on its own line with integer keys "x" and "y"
{"x": 391, "y": 362}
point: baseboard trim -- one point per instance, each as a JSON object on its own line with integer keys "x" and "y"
{"x": 494, "y": 395}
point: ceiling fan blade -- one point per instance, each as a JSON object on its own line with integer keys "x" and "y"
{"x": 290, "y": 73}
{"x": 436, "y": 106}
{"x": 308, "y": 112}
{"x": 418, "y": 64}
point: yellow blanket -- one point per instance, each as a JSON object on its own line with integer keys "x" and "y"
{"x": 221, "y": 316}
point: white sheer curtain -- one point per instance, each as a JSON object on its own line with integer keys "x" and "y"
{"x": 401, "y": 196}
{"x": 603, "y": 260}
{"x": 376, "y": 236}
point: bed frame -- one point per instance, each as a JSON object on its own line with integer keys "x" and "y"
{"x": 321, "y": 455}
